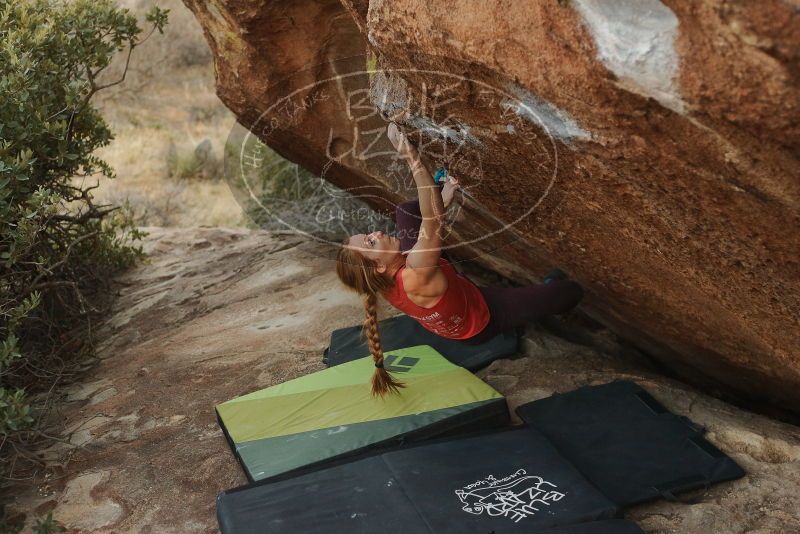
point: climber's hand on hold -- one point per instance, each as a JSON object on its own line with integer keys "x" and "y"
{"x": 449, "y": 190}
{"x": 401, "y": 142}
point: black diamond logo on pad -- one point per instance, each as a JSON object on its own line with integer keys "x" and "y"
{"x": 404, "y": 365}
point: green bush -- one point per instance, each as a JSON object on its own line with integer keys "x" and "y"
{"x": 58, "y": 249}
{"x": 48, "y": 525}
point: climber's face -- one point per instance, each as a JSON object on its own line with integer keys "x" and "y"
{"x": 377, "y": 246}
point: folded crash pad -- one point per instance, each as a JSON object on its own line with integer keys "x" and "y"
{"x": 627, "y": 443}
{"x": 512, "y": 481}
{"x": 331, "y": 414}
{"x": 347, "y": 344}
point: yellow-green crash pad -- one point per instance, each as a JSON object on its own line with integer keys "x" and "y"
{"x": 323, "y": 416}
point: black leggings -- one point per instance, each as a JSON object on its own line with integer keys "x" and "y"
{"x": 509, "y": 307}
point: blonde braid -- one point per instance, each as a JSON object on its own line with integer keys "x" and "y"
{"x": 360, "y": 274}
{"x": 382, "y": 381}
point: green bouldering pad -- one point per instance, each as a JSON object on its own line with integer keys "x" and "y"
{"x": 331, "y": 415}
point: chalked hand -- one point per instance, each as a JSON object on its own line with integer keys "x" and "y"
{"x": 449, "y": 189}
{"x": 400, "y": 141}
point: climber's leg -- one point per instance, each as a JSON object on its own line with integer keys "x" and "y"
{"x": 513, "y": 307}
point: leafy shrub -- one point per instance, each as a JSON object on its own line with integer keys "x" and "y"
{"x": 58, "y": 250}
{"x": 48, "y": 525}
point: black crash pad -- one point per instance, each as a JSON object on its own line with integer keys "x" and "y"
{"x": 627, "y": 443}
{"x": 506, "y": 482}
{"x": 612, "y": 526}
{"x": 399, "y": 332}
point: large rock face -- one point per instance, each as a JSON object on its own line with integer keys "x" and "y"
{"x": 648, "y": 148}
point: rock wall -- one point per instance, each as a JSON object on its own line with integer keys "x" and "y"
{"x": 648, "y": 148}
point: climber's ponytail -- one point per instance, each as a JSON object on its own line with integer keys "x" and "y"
{"x": 359, "y": 274}
{"x": 382, "y": 381}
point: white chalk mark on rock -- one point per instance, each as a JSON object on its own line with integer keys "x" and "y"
{"x": 456, "y": 132}
{"x": 636, "y": 40}
{"x": 555, "y": 121}
{"x": 390, "y": 94}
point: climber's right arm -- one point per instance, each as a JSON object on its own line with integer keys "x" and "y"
{"x": 426, "y": 251}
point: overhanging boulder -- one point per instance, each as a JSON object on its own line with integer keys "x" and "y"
{"x": 648, "y": 148}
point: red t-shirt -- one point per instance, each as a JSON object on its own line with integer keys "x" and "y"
{"x": 459, "y": 314}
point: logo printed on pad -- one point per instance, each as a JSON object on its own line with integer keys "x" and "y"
{"x": 404, "y": 364}
{"x": 515, "y": 496}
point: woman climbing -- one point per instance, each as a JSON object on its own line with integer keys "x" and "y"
{"x": 409, "y": 272}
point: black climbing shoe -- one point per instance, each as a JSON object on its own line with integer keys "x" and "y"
{"x": 554, "y": 274}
